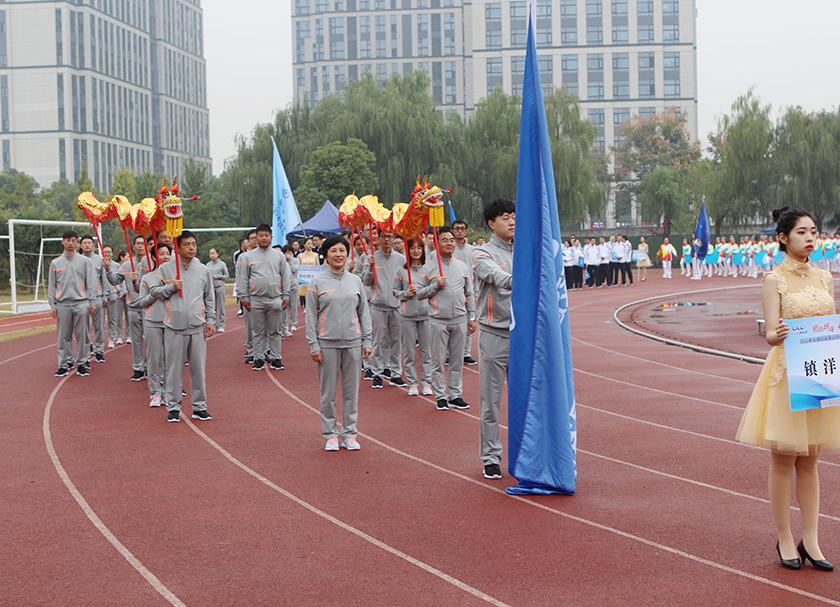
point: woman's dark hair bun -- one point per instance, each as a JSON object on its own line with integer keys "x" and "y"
{"x": 778, "y": 213}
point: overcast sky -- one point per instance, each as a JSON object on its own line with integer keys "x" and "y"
{"x": 786, "y": 50}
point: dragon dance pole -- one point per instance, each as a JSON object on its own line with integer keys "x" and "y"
{"x": 177, "y": 263}
{"x": 157, "y": 255}
{"x": 148, "y": 257}
{"x": 128, "y": 246}
{"x": 437, "y": 250}
{"x": 408, "y": 259}
{"x": 372, "y": 252}
{"x": 362, "y": 238}
{"x": 95, "y": 226}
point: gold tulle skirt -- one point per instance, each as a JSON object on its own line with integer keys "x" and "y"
{"x": 769, "y": 422}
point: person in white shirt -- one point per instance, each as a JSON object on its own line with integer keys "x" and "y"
{"x": 568, "y": 263}
{"x": 591, "y": 259}
{"x": 577, "y": 269}
{"x": 603, "y": 262}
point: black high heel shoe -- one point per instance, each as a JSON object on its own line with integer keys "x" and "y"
{"x": 822, "y": 565}
{"x": 788, "y": 563}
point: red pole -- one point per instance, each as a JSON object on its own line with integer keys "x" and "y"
{"x": 128, "y": 246}
{"x": 372, "y": 253}
{"x": 437, "y": 250}
{"x": 407, "y": 260}
{"x": 362, "y": 238}
{"x": 95, "y": 227}
{"x": 148, "y": 257}
{"x": 177, "y": 263}
{"x": 157, "y": 255}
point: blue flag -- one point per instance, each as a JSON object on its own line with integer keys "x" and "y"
{"x": 285, "y": 215}
{"x": 702, "y": 232}
{"x": 452, "y": 216}
{"x": 541, "y": 395}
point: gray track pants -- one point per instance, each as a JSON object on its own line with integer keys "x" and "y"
{"x": 493, "y": 354}
{"x": 155, "y": 357}
{"x": 72, "y": 322}
{"x": 114, "y": 318}
{"x": 386, "y": 341}
{"x": 219, "y": 291}
{"x": 249, "y": 335}
{"x": 292, "y": 312}
{"x": 265, "y": 326}
{"x": 447, "y": 339}
{"x": 134, "y": 328}
{"x": 179, "y": 347}
{"x": 347, "y": 362}
{"x": 413, "y": 330}
{"x": 96, "y": 333}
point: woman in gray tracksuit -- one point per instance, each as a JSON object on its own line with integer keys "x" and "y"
{"x": 290, "y": 315}
{"x": 414, "y": 319}
{"x": 338, "y": 331}
{"x": 219, "y": 273}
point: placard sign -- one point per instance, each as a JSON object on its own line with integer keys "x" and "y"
{"x": 812, "y": 354}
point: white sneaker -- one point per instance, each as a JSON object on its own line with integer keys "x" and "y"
{"x": 413, "y": 391}
{"x": 331, "y": 444}
{"x": 350, "y": 443}
{"x": 119, "y": 341}
{"x": 427, "y": 390}
{"x": 220, "y": 330}
{"x": 155, "y": 402}
{"x": 110, "y": 344}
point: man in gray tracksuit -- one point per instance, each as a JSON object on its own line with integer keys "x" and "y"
{"x": 188, "y": 322}
{"x": 262, "y": 281}
{"x": 102, "y": 292}
{"x": 493, "y": 269}
{"x": 134, "y": 317}
{"x": 385, "y": 359}
{"x": 71, "y": 291}
{"x": 246, "y": 313}
{"x": 290, "y": 315}
{"x": 452, "y": 319}
{"x": 465, "y": 252}
{"x": 359, "y": 270}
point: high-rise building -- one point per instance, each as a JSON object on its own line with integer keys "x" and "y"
{"x": 622, "y": 58}
{"x": 92, "y": 86}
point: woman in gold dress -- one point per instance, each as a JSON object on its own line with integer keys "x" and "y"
{"x": 795, "y": 289}
{"x": 644, "y": 263}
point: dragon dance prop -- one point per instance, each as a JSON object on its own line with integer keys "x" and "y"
{"x": 171, "y": 201}
{"x": 356, "y": 213}
{"x": 427, "y": 202}
{"x": 96, "y": 212}
{"x": 406, "y": 230}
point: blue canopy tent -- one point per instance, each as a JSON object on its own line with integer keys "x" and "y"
{"x": 325, "y": 221}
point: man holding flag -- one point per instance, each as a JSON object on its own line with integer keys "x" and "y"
{"x": 701, "y": 241}
{"x": 541, "y": 401}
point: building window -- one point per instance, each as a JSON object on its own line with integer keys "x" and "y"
{"x": 670, "y": 7}
{"x": 620, "y": 116}
{"x": 644, "y": 7}
{"x": 518, "y": 37}
{"x": 594, "y": 8}
{"x": 671, "y": 61}
{"x": 621, "y": 90}
{"x": 423, "y": 35}
{"x": 569, "y": 69}
{"x": 647, "y": 112}
{"x": 340, "y": 77}
{"x": 568, "y": 35}
{"x": 595, "y": 75}
{"x": 449, "y": 33}
{"x": 672, "y": 89}
{"x": 594, "y": 34}
{"x": 494, "y": 73}
{"x": 518, "y": 9}
{"x": 620, "y": 34}
{"x": 596, "y": 118}
{"x": 451, "y": 86}
{"x": 645, "y": 33}
{"x": 517, "y": 71}
{"x": 595, "y": 63}
{"x": 493, "y": 24}
{"x": 646, "y": 61}
{"x": 595, "y": 91}
{"x": 568, "y": 8}
{"x": 619, "y": 8}
{"x": 671, "y": 33}
{"x": 647, "y": 89}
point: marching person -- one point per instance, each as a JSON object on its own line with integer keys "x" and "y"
{"x": 338, "y": 330}
{"x": 71, "y": 292}
{"x": 414, "y": 320}
{"x": 380, "y": 272}
{"x": 110, "y": 302}
{"x": 99, "y": 298}
{"x": 190, "y": 313}
{"x": 666, "y": 253}
{"x": 219, "y": 272}
{"x": 263, "y": 284}
{"x": 452, "y": 320}
{"x": 243, "y": 248}
{"x": 591, "y": 261}
{"x": 291, "y": 313}
{"x": 494, "y": 280}
{"x": 465, "y": 252}
{"x": 134, "y": 318}
{"x": 644, "y": 263}
{"x": 685, "y": 260}
{"x": 795, "y": 289}
{"x": 249, "y": 333}
{"x": 121, "y": 292}
{"x": 154, "y": 314}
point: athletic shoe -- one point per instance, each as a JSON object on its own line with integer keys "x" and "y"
{"x": 173, "y": 417}
{"x": 110, "y": 344}
{"x": 368, "y": 375}
{"x": 186, "y": 363}
{"x": 155, "y": 401}
{"x": 387, "y": 373}
{"x": 62, "y": 372}
{"x": 277, "y": 364}
{"x": 258, "y": 365}
{"x": 220, "y": 330}
{"x": 350, "y": 443}
{"x": 138, "y": 376}
{"x": 249, "y": 360}
{"x": 442, "y": 405}
{"x": 492, "y": 471}
{"x": 413, "y": 391}
{"x": 427, "y": 390}
{"x": 398, "y": 381}
{"x": 183, "y": 393}
{"x": 119, "y": 341}
{"x": 239, "y": 313}
{"x": 377, "y": 382}
{"x": 100, "y": 358}
{"x": 469, "y": 360}
{"x": 71, "y": 365}
{"x": 82, "y": 371}
{"x": 458, "y": 403}
{"x": 201, "y": 415}
{"x": 128, "y": 340}
{"x": 331, "y": 444}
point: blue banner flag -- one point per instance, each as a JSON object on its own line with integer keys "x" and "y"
{"x": 285, "y": 215}
{"x": 702, "y": 232}
{"x": 452, "y": 216}
{"x": 541, "y": 395}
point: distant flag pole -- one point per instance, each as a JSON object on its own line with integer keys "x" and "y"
{"x": 541, "y": 396}
{"x": 285, "y": 214}
{"x": 452, "y": 217}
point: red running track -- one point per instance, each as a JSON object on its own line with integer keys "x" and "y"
{"x": 247, "y": 509}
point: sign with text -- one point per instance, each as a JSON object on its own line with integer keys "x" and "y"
{"x": 307, "y": 272}
{"x": 812, "y": 354}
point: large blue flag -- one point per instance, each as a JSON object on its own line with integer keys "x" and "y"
{"x": 452, "y": 216}
{"x": 541, "y": 395}
{"x": 285, "y": 215}
{"x": 702, "y": 232}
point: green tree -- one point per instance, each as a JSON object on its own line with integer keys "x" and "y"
{"x": 148, "y": 184}
{"x": 195, "y": 177}
{"x": 661, "y": 193}
{"x": 702, "y": 182}
{"x": 651, "y": 143}
{"x": 124, "y": 184}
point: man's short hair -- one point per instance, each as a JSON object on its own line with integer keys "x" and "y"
{"x": 163, "y": 245}
{"x": 184, "y": 235}
{"x": 86, "y": 237}
{"x": 460, "y": 222}
{"x": 248, "y": 235}
{"x": 138, "y": 236}
{"x": 500, "y": 206}
{"x": 69, "y": 234}
{"x": 263, "y": 227}
{"x": 445, "y": 230}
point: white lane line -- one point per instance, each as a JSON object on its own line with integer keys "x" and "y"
{"x": 150, "y": 577}
{"x": 8, "y": 360}
{"x": 579, "y": 519}
{"x": 345, "y": 526}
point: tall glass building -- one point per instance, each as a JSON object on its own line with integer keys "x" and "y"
{"x": 622, "y": 58}
{"x": 91, "y": 86}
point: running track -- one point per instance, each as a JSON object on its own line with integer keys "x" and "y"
{"x": 104, "y": 503}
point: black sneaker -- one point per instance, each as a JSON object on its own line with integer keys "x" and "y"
{"x": 173, "y": 417}
{"x": 277, "y": 364}
{"x": 62, "y": 372}
{"x": 377, "y": 382}
{"x": 249, "y": 360}
{"x": 442, "y": 405}
{"x": 469, "y": 360}
{"x": 201, "y": 415}
{"x": 70, "y": 365}
{"x": 258, "y": 365}
{"x": 100, "y": 357}
{"x": 492, "y": 471}
{"x": 458, "y": 403}
{"x": 368, "y": 375}
{"x": 138, "y": 376}
{"x": 82, "y": 371}
{"x": 398, "y": 381}
{"x": 387, "y": 373}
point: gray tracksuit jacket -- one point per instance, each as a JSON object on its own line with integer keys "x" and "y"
{"x": 387, "y": 268}
{"x": 492, "y": 266}
{"x": 155, "y": 309}
{"x": 262, "y": 274}
{"x": 132, "y": 288}
{"x": 455, "y": 300}
{"x": 294, "y": 266}
{"x": 187, "y": 314}
{"x": 342, "y": 319}
{"x": 72, "y": 280}
{"x": 218, "y": 271}
{"x": 103, "y": 286}
{"x": 416, "y": 307}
